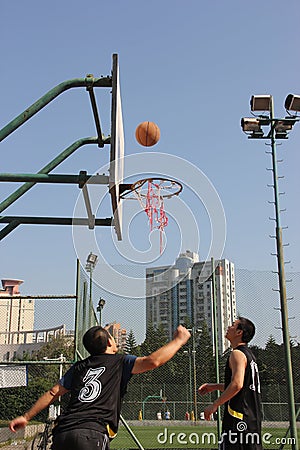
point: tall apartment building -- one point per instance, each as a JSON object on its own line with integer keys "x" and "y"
{"x": 16, "y": 313}
{"x": 184, "y": 292}
{"x": 118, "y": 333}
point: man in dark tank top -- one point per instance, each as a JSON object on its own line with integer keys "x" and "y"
{"x": 241, "y": 428}
{"x": 97, "y": 385}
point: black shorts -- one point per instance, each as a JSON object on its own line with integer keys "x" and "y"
{"x": 80, "y": 439}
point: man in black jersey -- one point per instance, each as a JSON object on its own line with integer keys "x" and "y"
{"x": 97, "y": 385}
{"x": 241, "y": 428}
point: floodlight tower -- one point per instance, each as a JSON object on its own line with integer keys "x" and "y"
{"x": 90, "y": 266}
{"x": 100, "y": 306}
{"x": 277, "y": 129}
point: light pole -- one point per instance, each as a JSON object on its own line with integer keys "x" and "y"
{"x": 90, "y": 266}
{"x": 194, "y": 331}
{"x": 100, "y": 306}
{"x": 188, "y": 353}
{"x": 62, "y": 359}
{"x": 215, "y": 336}
{"x": 277, "y": 129}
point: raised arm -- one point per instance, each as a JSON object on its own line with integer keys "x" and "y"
{"x": 43, "y": 402}
{"x": 163, "y": 354}
{"x": 206, "y": 388}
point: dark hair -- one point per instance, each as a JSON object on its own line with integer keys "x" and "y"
{"x": 248, "y": 328}
{"x": 95, "y": 340}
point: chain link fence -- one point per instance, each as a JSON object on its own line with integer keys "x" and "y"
{"x": 155, "y": 402}
{"x": 165, "y": 398}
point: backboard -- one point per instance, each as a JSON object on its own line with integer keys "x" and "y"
{"x": 13, "y": 376}
{"x": 116, "y": 170}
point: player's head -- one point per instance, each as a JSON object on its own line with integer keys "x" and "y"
{"x": 96, "y": 340}
{"x": 247, "y": 327}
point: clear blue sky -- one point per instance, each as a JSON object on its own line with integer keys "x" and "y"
{"x": 191, "y": 67}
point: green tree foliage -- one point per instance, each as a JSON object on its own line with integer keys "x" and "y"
{"x": 273, "y": 363}
{"x": 205, "y": 360}
{"x": 295, "y": 352}
{"x": 15, "y": 401}
{"x": 131, "y": 347}
{"x": 155, "y": 338}
{"x": 57, "y": 346}
{"x": 41, "y": 377}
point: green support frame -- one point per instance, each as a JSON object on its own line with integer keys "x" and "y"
{"x": 44, "y": 176}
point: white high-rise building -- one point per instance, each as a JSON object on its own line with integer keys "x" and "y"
{"x": 183, "y": 293}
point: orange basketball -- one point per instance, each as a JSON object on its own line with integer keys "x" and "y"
{"x": 147, "y": 134}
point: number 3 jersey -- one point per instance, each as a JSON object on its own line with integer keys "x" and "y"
{"x": 245, "y": 406}
{"x": 97, "y": 385}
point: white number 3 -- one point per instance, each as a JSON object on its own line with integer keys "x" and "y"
{"x": 92, "y": 388}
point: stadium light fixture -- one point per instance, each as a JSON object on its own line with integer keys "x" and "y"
{"x": 252, "y": 127}
{"x": 250, "y": 124}
{"x": 292, "y": 103}
{"x": 100, "y": 306}
{"x": 91, "y": 260}
{"x": 261, "y": 102}
{"x": 282, "y": 127}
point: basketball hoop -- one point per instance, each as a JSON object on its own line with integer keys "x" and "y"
{"x": 151, "y": 192}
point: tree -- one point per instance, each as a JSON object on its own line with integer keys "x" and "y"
{"x": 205, "y": 357}
{"x": 273, "y": 361}
{"x": 296, "y": 364}
{"x": 131, "y": 347}
{"x": 57, "y": 346}
{"x": 155, "y": 338}
{"x": 14, "y": 401}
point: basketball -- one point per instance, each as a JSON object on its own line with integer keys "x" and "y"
{"x": 147, "y": 134}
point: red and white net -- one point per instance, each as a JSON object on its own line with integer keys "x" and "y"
{"x": 155, "y": 210}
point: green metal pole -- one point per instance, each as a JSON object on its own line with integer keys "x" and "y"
{"x": 80, "y": 179}
{"x": 287, "y": 432}
{"x": 40, "y": 178}
{"x": 48, "y": 97}
{"x": 282, "y": 292}
{"x": 84, "y": 308}
{"x": 215, "y": 337}
{"x": 50, "y": 166}
{"x": 194, "y": 374}
{"x": 91, "y": 298}
{"x": 77, "y": 311}
{"x": 191, "y": 386}
{"x": 9, "y": 228}
{"x": 53, "y": 220}
{"x": 131, "y": 433}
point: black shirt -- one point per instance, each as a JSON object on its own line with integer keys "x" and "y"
{"x": 97, "y": 385}
{"x": 246, "y": 404}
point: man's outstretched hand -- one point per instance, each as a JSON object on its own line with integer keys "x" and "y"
{"x": 18, "y": 423}
{"x": 182, "y": 334}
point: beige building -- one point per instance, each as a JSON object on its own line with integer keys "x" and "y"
{"x": 17, "y": 334}
{"x": 16, "y": 314}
